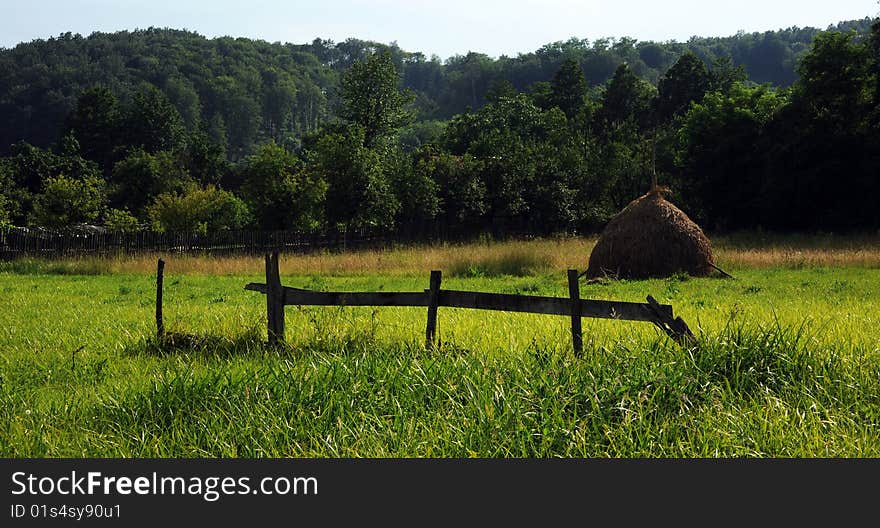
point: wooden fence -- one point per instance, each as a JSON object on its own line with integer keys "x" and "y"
{"x": 279, "y": 296}
{"x": 20, "y": 242}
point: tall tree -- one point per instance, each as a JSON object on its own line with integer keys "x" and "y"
{"x": 686, "y": 82}
{"x": 371, "y": 97}
{"x": 96, "y": 124}
{"x": 359, "y": 193}
{"x": 152, "y": 123}
{"x": 569, "y": 88}
{"x": 626, "y": 101}
{"x": 281, "y": 194}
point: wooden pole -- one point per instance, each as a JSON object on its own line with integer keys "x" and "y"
{"x": 433, "y": 302}
{"x": 577, "y": 338}
{"x": 160, "y": 323}
{"x": 274, "y": 300}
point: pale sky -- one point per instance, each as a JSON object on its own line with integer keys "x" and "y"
{"x": 450, "y": 27}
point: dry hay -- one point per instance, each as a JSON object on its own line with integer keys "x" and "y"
{"x": 651, "y": 238}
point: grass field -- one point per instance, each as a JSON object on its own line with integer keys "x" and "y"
{"x": 788, "y": 362}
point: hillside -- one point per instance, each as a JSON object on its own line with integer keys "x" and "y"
{"x": 243, "y": 92}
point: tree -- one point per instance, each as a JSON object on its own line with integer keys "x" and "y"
{"x": 151, "y": 123}
{"x": 204, "y": 160}
{"x": 625, "y": 103}
{"x": 96, "y": 124}
{"x": 414, "y": 190}
{"x": 279, "y": 100}
{"x": 723, "y": 177}
{"x": 569, "y": 88}
{"x": 499, "y": 89}
{"x": 358, "y": 191}
{"x": 835, "y": 79}
{"x": 724, "y": 74}
{"x": 371, "y": 98}
{"x": 8, "y": 205}
{"x": 280, "y": 192}
{"x": 460, "y": 190}
{"x": 142, "y": 176}
{"x": 686, "y": 82}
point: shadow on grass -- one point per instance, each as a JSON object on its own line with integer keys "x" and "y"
{"x": 517, "y": 262}
{"x": 249, "y": 342}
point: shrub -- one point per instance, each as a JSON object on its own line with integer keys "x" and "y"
{"x": 120, "y": 221}
{"x": 198, "y": 210}
{"x": 66, "y": 201}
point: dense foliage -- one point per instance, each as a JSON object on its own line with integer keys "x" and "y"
{"x": 168, "y": 129}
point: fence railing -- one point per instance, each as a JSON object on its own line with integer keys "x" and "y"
{"x": 279, "y": 296}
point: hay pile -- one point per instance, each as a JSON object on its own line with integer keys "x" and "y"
{"x": 651, "y": 238}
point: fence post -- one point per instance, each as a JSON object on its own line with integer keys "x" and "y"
{"x": 577, "y": 338}
{"x": 160, "y": 323}
{"x": 274, "y": 300}
{"x": 433, "y": 301}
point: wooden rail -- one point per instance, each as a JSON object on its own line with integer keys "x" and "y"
{"x": 278, "y": 296}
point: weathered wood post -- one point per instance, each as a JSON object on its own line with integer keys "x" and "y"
{"x": 433, "y": 301}
{"x": 675, "y": 328}
{"x": 160, "y": 323}
{"x": 274, "y": 300}
{"x": 574, "y": 293}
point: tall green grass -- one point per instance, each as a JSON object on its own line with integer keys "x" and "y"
{"x": 787, "y": 365}
{"x": 747, "y": 391}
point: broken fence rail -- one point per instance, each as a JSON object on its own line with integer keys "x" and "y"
{"x": 278, "y": 296}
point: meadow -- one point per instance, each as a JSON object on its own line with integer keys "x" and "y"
{"x": 787, "y": 364}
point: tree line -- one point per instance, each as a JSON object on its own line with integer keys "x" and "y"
{"x": 348, "y": 136}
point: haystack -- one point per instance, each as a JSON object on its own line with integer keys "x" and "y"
{"x": 651, "y": 238}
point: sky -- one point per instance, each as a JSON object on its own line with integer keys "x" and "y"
{"x": 442, "y": 28}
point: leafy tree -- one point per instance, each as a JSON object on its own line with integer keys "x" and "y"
{"x": 569, "y": 89}
{"x": 722, "y": 177}
{"x": 279, "y": 100}
{"x": 65, "y": 201}
{"x": 541, "y": 93}
{"x": 372, "y": 99}
{"x": 359, "y": 193}
{"x": 625, "y": 103}
{"x": 686, "y": 82}
{"x": 95, "y": 122}
{"x": 724, "y": 74}
{"x": 151, "y": 123}
{"x": 835, "y": 78}
{"x": 141, "y": 176}
{"x": 204, "y": 160}
{"x": 280, "y": 192}
{"x": 30, "y": 167}
{"x": 420, "y": 133}
{"x": 414, "y": 190}
{"x": 8, "y": 209}
{"x": 461, "y": 191}
{"x": 500, "y": 89}
{"x": 823, "y": 155}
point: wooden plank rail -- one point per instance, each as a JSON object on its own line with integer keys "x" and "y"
{"x": 505, "y": 302}
{"x": 278, "y": 296}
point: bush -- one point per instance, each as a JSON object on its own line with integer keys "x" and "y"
{"x": 120, "y": 221}
{"x": 66, "y": 201}
{"x": 198, "y": 210}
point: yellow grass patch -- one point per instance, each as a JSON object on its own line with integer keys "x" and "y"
{"x": 522, "y": 257}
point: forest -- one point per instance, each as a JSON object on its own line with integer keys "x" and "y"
{"x": 167, "y": 130}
